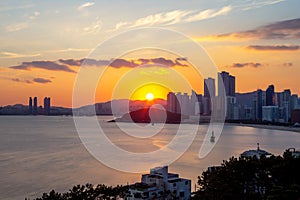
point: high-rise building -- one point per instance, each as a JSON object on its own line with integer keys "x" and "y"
{"x": 35, "y": 109}
{"x": 226, "y": 94}
{"x": 270, "y": 96}
{"x": 209, "y": 95}
{"x": 294, "y": 102}
{"x": 260, "y": 101}
{"x": 209, "y": 87}
{"x": 270, "y": 113}
{"x": 30, "y": 106}
{"x": 47, "y": 105}
{"x": 231, "y": 86}
{"x": 228, "y": 84}
{"x": 172, "y": 102}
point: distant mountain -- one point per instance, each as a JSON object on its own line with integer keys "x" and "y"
{"x": 152, "y": 115}
{"x": 117, "y": 107}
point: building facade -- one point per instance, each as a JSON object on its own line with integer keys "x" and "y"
{"x": 161, "y": 185}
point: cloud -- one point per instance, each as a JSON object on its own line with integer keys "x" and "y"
{"x": 85, "y": 5}
{"x": 67, "y": 50}
{"x": 34, "y": 80}
{"x": 181, "y": 59}
{"x": 34, "y": 15}
{"x": 22, "y": 25}
{"x": 94, "y": 28}
{"x": 16, "y": 27}
{"x": 67, "y": 64}
{"x": 174, "y": 17}
{"x": 41, "y": 80}
{"x": 47, "y": 65}
{"x": 288, "y": 29}
{"x": 21, "y": 81}
{"x": 6, "y": 54}
{"x": 210, "y": 13}
{"x": 288, "y": 64}
{"x": 254, "y": 4}
{"x": 249, "y": 64}
{"x": 15, "y": 7}
{"x": 118, "y": 63}
{"x": 274, "y": 47}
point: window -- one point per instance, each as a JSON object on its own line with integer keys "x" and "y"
{"x": 181, "y": 194}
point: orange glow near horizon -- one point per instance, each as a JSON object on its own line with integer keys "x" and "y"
{"x": 150, "y": 92}
{"x": 149, "y": 96}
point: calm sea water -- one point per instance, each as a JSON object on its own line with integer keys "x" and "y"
{"x": 41, "y": 153}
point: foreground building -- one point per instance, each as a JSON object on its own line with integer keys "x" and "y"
{"x": 159, "y": 184}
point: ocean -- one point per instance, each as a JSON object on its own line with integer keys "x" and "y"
{"x": 41, "y": 153}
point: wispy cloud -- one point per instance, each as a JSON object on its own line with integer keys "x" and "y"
{"x": 21, "y": 80}
{"x": 34, "y": 15}
{"x": 47, "y": 65}
{"x": 254, "y": 4}
{"x": 66, "y": 65}
{"x": 41, "y": 80}
{"x": 248, "y": 64}
{"x": 174, "y": 17}
{"x": 16, "y": 27}
{"x": 67, "y": 50}
{"x": 85, "y": 5}
{"x": 288, "y": 29}
{"x": 34, "y": 80}
{"x": 22, "y": 25}
{"x": 274, "y": 47}
{"x": 6, "y": 54}
{"x": 16, "y": 7}
{"x": 94, "y": 28}
{"x": 288, "y": 64}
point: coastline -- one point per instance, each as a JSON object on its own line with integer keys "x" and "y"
{"x": 262, "y": 126}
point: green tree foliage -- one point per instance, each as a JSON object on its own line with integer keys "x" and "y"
{"x": 87, "y": 192}
{"x": 251, "y": 178}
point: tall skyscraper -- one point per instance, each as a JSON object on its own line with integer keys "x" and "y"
{"x": 228, "y": 83}
{"x": 209, "y": 87}
{"x": 30, "y": 106}
{"x": 294, "y": 102}
{"x": 35, "y": 110}
{"x": 270, "y": 96}
{"x": 231, "y": 86}
{"x": 47, "y": 105}
{"x": 260, "y": 101}
{"x": 226, "y": 94}
{"x": 172, "y": 103}
{"x": 209, "y": 94}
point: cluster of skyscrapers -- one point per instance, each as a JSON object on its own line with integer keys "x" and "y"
{"x": 255, "y": 106}
{"x": 35, "y": 110}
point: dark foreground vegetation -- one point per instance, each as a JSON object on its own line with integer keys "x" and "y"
{"x": 273, "y": 178}
{"x": 87, "y": 192}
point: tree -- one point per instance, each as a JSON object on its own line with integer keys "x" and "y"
{"x": 251, "y": 178}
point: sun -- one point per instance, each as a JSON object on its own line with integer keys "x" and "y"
{"x": 149, "y": 96}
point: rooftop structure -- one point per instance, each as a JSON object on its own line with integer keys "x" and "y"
{"x": 159, "y": 184}
{"x": 255, "y": 153}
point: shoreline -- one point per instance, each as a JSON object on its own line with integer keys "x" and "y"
{"x": 263, "y": 126}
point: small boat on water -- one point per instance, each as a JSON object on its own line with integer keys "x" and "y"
{"x": 212, "y": 137}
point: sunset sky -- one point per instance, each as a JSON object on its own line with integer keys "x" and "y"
{"x": 43, "y": 44}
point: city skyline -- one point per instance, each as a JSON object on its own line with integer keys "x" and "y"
{"x": 208, "y": 83}
{"x": 43, "y": 44}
